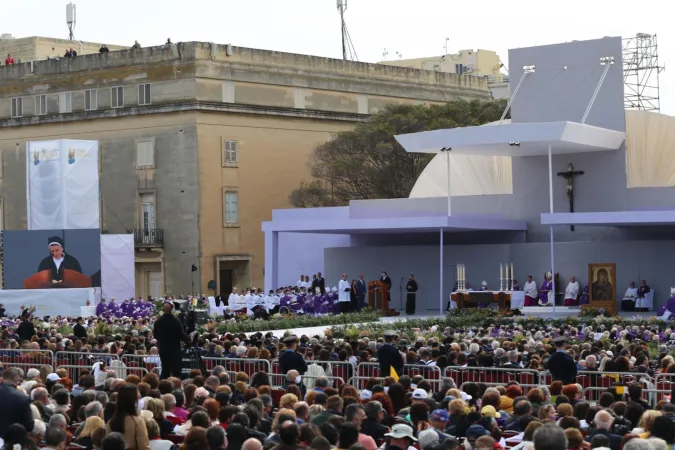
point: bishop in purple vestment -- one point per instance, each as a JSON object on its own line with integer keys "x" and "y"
{"x": 101, "y": 308}
{"x": 668, "y": 310}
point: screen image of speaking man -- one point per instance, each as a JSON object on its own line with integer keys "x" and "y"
{"x": 58, "y": 260}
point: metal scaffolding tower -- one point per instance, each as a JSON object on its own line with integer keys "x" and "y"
{"x": 641, "y": 72}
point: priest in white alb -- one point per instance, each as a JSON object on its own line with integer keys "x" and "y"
{"x": 344, "y": 298}
{"x": 628, "y": 301}
{"x": 531, "y": 292}
{"x": 233, "y": 298}
{"x": 572, "y": 292}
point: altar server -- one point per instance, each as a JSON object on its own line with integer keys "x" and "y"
{"x": 343, "y": 293}
{"x": 531, "y": 293}
{"x": 572, "y": 292}
{"x": 628, "y": 301}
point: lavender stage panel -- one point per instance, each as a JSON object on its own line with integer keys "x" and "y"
{"x": 303, "y": 253}
{"x": 634, "y": 260}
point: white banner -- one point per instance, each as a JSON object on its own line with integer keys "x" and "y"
{"x": 47, "y": 302}
{"x": 62, "y": 185}
{"x": 118, "y": 273}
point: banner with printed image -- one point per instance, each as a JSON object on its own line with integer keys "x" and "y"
{"x": 62, "y": 185}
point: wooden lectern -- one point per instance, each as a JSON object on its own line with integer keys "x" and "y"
{"x": 43, "y": 280}
{"x": 378, "y": 296}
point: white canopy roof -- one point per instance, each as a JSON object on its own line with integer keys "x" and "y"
{"x": 515, "y": 139}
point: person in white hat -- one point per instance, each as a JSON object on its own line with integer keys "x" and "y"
{"x": 401, "y": 437}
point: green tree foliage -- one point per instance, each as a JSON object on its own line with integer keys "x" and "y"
{"x": 368, "y": 163}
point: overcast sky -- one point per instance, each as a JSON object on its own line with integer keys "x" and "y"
{"x": 413, "y": 28}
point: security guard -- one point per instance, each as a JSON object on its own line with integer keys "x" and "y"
{"x": 560, "y": 364}
{"x": 290, "y": 359}
{"x": 388, "y": 356}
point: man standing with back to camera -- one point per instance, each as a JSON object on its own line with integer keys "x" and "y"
{"x": 169, "y": 333}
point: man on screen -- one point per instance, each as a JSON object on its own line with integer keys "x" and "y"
{"x": 58, "y": 260}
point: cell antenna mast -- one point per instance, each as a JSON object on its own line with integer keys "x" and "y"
{"x": 348, "y": 50}
{"x": 71, "y": 17}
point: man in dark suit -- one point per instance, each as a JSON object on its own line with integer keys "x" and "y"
{"x": 58, "y": 260}
{"x": 361, "y": 291}
{"x": 290, "y": 359}
{"x": 15, "y": 404}
{"x": 386, "y": 280}
{"x": 388, "y": 356}
{"x": 319, "y": 282}
{"x": 560, "y": 364}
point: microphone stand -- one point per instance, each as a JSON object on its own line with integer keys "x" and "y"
{"x": 400, "y": 292}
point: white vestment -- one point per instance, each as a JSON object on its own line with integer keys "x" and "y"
{"x": 631, "y": 294}
{"x": 572, "y": 290}
{"x": 237, "y": 303}
{"x": 530, "y": 289}
{"x": 343, "y": 296}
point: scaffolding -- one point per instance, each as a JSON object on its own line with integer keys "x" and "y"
{"x": 641, "y": 72}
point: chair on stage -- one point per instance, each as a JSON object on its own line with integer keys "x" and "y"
{"x": 646, "y": 302}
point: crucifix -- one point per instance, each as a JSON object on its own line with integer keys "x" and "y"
{"x": 569, "y": 175}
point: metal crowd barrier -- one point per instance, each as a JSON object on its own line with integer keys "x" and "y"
{"x": 150, "y": 362}
{"x": 493, "y": 375}
{"x": 651, "y": 396}
{"x": 432, "y": 374}
{"x": 338, "y": 369}
{"x": 523, "y": 386}
{"x": 249, "y": 366}
{"x": 279, "y": 380}
{"x": 26, "y": 356}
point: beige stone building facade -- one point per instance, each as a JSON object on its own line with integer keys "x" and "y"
{"x": 36, "y": 48}
{"x": 198, "y": 142}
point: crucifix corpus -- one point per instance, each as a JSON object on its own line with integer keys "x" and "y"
{"x": 569, "y": 175}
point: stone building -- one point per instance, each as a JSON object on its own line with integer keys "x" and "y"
{"x": 198, "y": 141}
{"x": 37, "y": 48}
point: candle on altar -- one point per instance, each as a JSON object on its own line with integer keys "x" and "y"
{"x": 511, "y": 274}
{"x": 501, "y": 271}
{"x": 506, "y": 266}
{"x": 458, "y": 273}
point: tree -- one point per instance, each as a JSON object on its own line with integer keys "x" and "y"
{"x": 367, "y": 162}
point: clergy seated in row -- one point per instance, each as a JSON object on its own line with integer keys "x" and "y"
{"x": 131, "y": 308}
{"x": 572, "y": 292}
{"x": 637, "y": 299}
{"x": 667, "y": 311}
{"x": 531, "y": 292}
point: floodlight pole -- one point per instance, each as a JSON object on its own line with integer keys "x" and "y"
{"x": 441, "y": 275}
{"x": 447, "y": 162}
{"x": 550, "y": 208}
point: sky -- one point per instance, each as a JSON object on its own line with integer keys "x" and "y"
{"x": 412, "y": 28}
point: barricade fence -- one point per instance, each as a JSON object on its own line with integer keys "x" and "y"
{"x": 493, "y": 375}
{"x": 151, "y": 363}
{"x": 248, "y": 366}
{"x": 279, "y": 381}
{"x": 338, "y": 369}
{"x": 27, "y": 356}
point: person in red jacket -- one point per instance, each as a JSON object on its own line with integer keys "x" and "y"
{"x": 9, "y": 60}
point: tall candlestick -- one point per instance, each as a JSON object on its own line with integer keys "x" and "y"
{"x": 501, "y": 271}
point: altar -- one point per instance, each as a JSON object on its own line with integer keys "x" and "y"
{"x": 506, "y": 300}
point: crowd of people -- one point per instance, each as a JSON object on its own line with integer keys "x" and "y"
{"x": 312, "y": 402}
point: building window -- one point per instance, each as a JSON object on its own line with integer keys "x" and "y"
{"x": 65, "y": 102}
{"x": 90, "y": 100}
{"x": 117, "y": 97}
{"x": 231, "y": 208}
{"x": 144, "y": 94}
{"x": 40, "y": 105}
{"x": 230, "y": 153}
{"x": 145, "y": 155}
{"x": 17, "y": 107}
{"x": 459, "y": 69}
{"x": 148, "y": 214}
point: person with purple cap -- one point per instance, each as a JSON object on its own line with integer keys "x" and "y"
{"x": 114, "y": 309}
{"x": 439, "y": 420}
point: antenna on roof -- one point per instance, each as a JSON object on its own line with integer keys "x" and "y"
{"x": 347, "y": 45}
{"x": 71, "y": 19}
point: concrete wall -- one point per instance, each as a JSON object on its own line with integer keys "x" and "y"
{"x": 634, "y": 259}
{"x": 273, "y": 154}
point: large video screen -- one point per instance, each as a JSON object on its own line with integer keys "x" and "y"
{"x": 52, "y": 259}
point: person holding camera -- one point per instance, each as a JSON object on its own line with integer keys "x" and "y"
{"x": 169, "y": 333}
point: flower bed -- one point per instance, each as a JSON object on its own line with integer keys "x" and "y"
{"x": 466, "y": 319}
{"x": 243, "y": 324}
